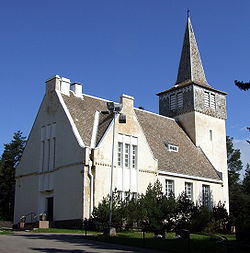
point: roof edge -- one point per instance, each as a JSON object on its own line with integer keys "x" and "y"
{"x": 185, "y": 84}
{"x": 210, "y": 180}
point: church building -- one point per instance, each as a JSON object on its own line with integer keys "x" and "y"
{"x": 67, "y": 164}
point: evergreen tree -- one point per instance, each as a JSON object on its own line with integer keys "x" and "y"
{"x": 235, "y": 188}
{"x": 242, "y": 85}
{"x": 246, "y": 181}
{"x": 234, "y": 163}
{"x": 245, "y": 87}
{"x": 9, "y": 160}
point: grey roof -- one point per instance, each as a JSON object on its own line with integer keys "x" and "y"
{"x": 189, "y": 160}
{"x": 190, "y": 66}
{"x": 82, "y": 112}
{"x": 159, "y": 131}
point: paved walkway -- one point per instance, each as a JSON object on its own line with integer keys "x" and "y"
{"x": 25, "y": 242}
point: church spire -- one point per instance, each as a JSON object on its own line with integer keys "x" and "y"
{"x": 190, "y": 66}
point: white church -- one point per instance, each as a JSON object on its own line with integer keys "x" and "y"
{"x": 66, "y": 166}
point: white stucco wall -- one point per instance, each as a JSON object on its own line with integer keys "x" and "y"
{"x": 64, "y": 181}
{"x": 198, "y": 126}
{"x": 216, "y": 189}
{"x": 146, "y": 163}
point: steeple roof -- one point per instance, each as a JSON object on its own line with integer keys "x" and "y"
{"x": 190, "y": 66}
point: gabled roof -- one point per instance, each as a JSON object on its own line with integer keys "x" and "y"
{"x": 189, "y": 160}
{"x": 83, "y": 113}
{"x": 158, "y": 130}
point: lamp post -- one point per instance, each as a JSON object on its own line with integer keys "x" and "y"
{"x": 114, "y": 109}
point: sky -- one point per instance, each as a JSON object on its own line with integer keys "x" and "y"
{"x": 119, "y": 46}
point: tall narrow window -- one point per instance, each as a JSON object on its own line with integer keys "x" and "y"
{"x": 206, "y": 99}
{"x": 179, "y": 99}
{"x": 43, "y": 155}
{"x": 189, "y": 190}
{"x": 210, "y": 135}
{"x": 212, "y": 101}
{"x": 54, "y": 152}
{"x": 127, "y": 155}
{"x": 119, "y": 154}
{"x": 134, "y": 156}
{"x": 209, "y": 100}
{"x": 169, "y": 187}
{"x": 48, "y": 168}
{"x": 172, "y": 102}
{"x": 206, "y": 195}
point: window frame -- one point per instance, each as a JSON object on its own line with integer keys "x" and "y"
{"x": 169, "y": 182}
{"x": 206, "y": 193}
{"x": 189, "y": 195}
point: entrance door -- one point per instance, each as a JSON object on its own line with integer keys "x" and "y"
{"x": 50, "y": 208}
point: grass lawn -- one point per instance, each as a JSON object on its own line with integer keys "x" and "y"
{"x": 5, "y": 232}
{"x": 197, "y": 244}
{"x": 64, "y": 231}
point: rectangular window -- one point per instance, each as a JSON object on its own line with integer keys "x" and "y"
{"x": 212, "y": 101}
{"x": 209, "y": 100}
{"x": 48, "y": 168}
{"x": 172, "y": 102}
{"x": 119, "y": 154}
{"x": 179, "y": 99}
{"x": 169, "y": 187}
{"x": 43, "y": 155}
{"x": 127, "y": 195}
{"x": 127, "y": 156}
{"x": 134, "y": 195}
{"x": 134, "y": 156}
{"x": 206, "y": 99}
{"x": 206, "y": 195}
{"x": 120, "y": 195}
{"x": 210, "y": 135}
{"x": 54, "y": 152}
{"x": 189, "y": 190}
{"x": 173, "y": 148}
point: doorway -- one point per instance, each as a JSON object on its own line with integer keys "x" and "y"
{"x": 50, "y": 205}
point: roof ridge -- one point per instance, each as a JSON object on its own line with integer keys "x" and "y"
{"x": 156, "y": 114}
{"x": 91, "y": 96}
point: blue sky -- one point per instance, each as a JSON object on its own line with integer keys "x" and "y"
{"x": 119, "y": 46}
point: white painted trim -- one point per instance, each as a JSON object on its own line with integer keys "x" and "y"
{"x": 49, "y": 79}
{"x": 161, "y": 172}
{"x": 107, "y": 131}
{"x": 95, "y": 129}
{"x": 103, "y": 99}
{"x": 71, "y": 121}
{"x": 127, "y": 96}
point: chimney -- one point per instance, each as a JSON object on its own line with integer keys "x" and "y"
{"x": 77, "y": 89}
{"x": 58, "y": 83}
{"x": 53, "y": 84}
{"x": 65, "y": 86}
{"x": 127, "y": 102}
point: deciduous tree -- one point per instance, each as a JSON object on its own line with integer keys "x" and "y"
{"x": 9, "y": 160}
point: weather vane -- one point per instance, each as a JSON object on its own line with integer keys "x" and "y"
{"x": 188, "y": 12}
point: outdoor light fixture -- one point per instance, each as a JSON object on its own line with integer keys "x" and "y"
{"x": 114, "y": 109}
{"x": 122, "y": 118}
{"x": 111, "y": 106}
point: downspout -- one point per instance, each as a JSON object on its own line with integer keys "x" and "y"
{"x": 89, "y": 163}
{"x": 91, "y": 177}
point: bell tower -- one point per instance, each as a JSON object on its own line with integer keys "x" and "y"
{"x": 197, "y": 106}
